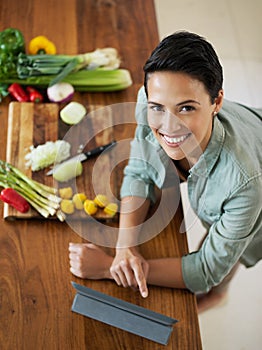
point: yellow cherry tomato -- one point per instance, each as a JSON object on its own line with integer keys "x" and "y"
{"x": 67, "y": 206}
{"x": 66, "y": 192}
{"x": 90, "y": 207}
{"x": 101, "y": 200}
{"x": 111, "y": 209}
{"x": 78, "y": 200}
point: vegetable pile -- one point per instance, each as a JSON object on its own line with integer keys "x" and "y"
{"x": 92, "y": 71}
{"x": 41, "y": 197}
{"x": 20, "y": 191}
{"x": 79, "y": 201}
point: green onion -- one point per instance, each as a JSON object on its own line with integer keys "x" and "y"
{"x": 41, "y": 197}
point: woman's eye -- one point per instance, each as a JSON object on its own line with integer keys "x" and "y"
{"x": 187, "y": 108}
{"x": 156, "y": 108}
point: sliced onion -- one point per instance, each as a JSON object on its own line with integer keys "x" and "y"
{"x": 60, "y": 92}
{"x": 73, "y": 113}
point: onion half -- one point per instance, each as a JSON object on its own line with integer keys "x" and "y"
{"x": 60, "y": 92}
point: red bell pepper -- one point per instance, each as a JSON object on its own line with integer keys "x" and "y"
{"x": 34, "y": 95}
{"x": 18, "y": 92}
{"x": 13, "y": 198}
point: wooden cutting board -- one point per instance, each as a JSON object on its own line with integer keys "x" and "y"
{"x": 34, "y": 124}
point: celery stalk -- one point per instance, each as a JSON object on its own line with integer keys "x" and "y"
{"x": 85, "y": 80}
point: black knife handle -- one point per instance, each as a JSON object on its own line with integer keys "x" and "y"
{"x": 99, "y": 149}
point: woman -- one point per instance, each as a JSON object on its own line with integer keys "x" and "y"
{"x": 216, "y": 146}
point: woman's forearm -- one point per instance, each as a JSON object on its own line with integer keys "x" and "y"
{"x": 166, "y": 272}
{"x": 132, "y": 215}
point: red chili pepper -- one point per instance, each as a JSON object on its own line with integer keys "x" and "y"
{"x": 34, "y": 95}
{"x": 18, "y": 92}
{"x": 10, "y": 196}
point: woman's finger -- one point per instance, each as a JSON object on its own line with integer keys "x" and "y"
{"x": 120, "y": 278}
{"x": 140, "y": 279}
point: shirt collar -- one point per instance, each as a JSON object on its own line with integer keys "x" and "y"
{"x": 208, "y": 159}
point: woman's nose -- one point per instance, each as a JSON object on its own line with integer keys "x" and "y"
{"x": 170, "y": 123}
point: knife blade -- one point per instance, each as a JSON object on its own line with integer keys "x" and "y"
{"x": 81, "y": 157}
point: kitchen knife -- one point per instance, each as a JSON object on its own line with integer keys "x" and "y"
{"x": 81, "y": 157}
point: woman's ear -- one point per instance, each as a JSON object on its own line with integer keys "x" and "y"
{"x": 219, "y": 101}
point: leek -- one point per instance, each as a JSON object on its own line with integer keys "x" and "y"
{"x": 62, "y": 65}
{"x": 41, "y": 197}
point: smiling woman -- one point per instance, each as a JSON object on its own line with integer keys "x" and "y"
{"x": 183, "y": 120}
{"x": 180, "y": 113}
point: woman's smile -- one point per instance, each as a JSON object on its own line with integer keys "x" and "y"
{"x": 174, "y": 141}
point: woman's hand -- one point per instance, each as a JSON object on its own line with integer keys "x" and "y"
{"x": 129, "y": 268}
{"x": 89, "y": 261}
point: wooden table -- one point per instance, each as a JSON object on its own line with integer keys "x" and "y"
{"x": 35, "y": 282}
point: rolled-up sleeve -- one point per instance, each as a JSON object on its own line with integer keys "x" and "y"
{"x": 227, "y": 239}
{"x": 137, "y": 180}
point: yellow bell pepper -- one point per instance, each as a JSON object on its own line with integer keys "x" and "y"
{"x": 41, "y": 45}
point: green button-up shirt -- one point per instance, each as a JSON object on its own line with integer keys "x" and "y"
{"x": 224, "y": 188}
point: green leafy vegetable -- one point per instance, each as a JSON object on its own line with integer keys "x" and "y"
{"x": 11, "y": 44}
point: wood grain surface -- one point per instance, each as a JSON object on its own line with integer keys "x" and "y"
{"x": 35, "y": 282}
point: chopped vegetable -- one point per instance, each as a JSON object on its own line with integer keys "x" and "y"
{"x": 34, "y": 95}
{"x": 60, "y": 92}
{"x": 67, "y": 206}
{"x": 101, "y": 200}
{"x": 18, "y": 92}
{"x": 49, "y": 153}
{"x": 41, "y": 45}
{"x": 66, "y": 192}
{"x": 90, "y": 207}
{"x": 67, "y": 170}
{"x": 13, "y": 198}
{"x": 73, "y": 113}
{"x": 41, "y": 197}
{"x": 111, "y": 209}
{"x": 78, "y": 200}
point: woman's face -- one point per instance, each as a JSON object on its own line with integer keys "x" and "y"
{"x": 180, "y": 113}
